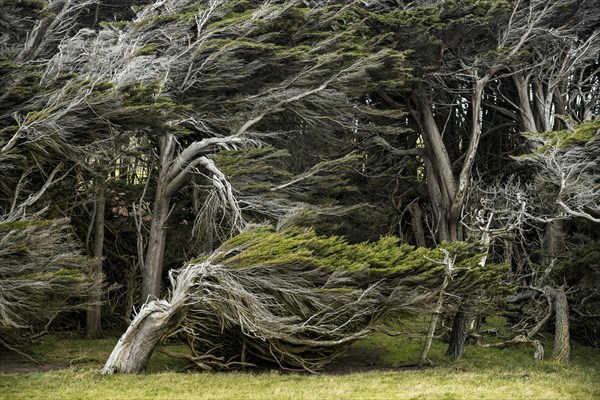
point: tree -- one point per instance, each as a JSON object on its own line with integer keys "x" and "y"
{"x": 42, "y": 270}
{"x": 183, "y": 58}
{"x": 465, "y": 56}
{"x": 289, "y": 297}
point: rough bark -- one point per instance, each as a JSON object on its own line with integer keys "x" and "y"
{"x": 153, "y": 265}
{"x": 134, "y": 349}
{"x": 94, "y": 311}
{"x": 460, "y": 328}
{"x": 417, "y": 224}
{"x": 554, "y": 238}
{"x": 562, "y": 347}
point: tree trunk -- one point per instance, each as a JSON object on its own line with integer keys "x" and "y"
{"x": 417, "y": 224}
{"x": 460, "y": 328}
{"x": 521, "y": 82}
{"x": 155, "y": 320}
{"x": 155, "y": 254}
{"x": 464, "y": 178}
{"x": 438, "y": 168}
{"x": 94, "y": 311}
{"x": 554, "y": 241}
{"x": 562, "y": 347}
{"x": 433, "y": 323}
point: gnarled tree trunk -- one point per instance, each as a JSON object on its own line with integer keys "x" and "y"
{"x": 155, "y": 320}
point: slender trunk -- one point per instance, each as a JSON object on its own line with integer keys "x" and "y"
{"x": 538, "y": 105}
{"x": 438, "y": 168}
{"x": 460, "y": 328}
{"x": 554, "y": 238}
{"x": 417, "y": 224}
{"x": 434, "y": 320}
{"x": 525, "y": 111}
{"x": 562, "y": 347}
{"x": 153, "y": 264}
{"x": 464, "y": 178}
{"x": 94, "y": 311}
{"x": 559, "y": 108}
{"x": 439, "y": 205}
{"x": 155, "y": 252}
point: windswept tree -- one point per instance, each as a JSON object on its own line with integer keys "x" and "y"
{"x": 43, "y": 272}
{"x": 292, "y": 298}
{"x": 223, "y": 75}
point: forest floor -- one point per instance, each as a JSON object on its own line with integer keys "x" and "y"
{"x": 356, "y": 359}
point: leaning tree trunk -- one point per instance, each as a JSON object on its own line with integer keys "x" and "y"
{"x": 155, "y": 320}
{"x": 460, "y": 328}
{"x": 562, "y": 347}
{"x": 448, "y": 264}
{"x": 155, "y": 253}
{"x": 433, "y": 323}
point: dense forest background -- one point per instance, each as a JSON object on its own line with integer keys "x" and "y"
{"x": 374, "y": 158}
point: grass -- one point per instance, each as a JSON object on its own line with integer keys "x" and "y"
{"x": 483, "y": 373}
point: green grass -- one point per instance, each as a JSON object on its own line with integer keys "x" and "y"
{"x": 482, "y": 373}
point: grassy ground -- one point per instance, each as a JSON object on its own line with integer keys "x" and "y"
{"x": 481, "y": 374}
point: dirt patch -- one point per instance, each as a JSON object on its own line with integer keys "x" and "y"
{"x": 357, "y": 359}
{"x": 14, "y": 363}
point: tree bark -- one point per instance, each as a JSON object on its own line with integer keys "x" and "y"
{"x": 562, "y": 348}
{"x": 155, "y": 320}
{"x": 521, "y": 82}
{"x": 460, "y": 328}
{"x": 153, "y": 263}
{"x": 554, "y": 242}
{"x": 438, "y": 168}
{"x": 434, "y": 320}
{"x": 94, "y": 311}
{"x": 417, "y": 224}
{"x": 155, "y": 254}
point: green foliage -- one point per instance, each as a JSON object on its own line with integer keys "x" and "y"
{"x": 6, "y": 227}
{"x": 253, "y": 170}
{"x": 147, "y": 50}
{"x": 581, "y": 134}
{"x": 63, "y": 274}
{"x": 42, "y": 272}
{"x": 26, "y": 85}
{"x": 386, "y": 257}
{"x": 142, "y": 94}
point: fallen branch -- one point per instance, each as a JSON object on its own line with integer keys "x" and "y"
{"x": 520, "y": 339}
